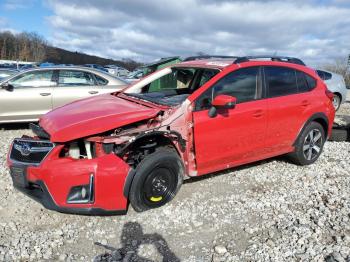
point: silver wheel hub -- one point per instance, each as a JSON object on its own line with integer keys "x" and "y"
{"x": 312, "y": 144}
{"x": 336, "y": 101}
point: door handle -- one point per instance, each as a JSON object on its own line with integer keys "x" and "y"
{"x": 45, "y": 94}
{"x": 258, "y": 113}
{"x": 93, "y": 92}
{"x": 305, "y": 103}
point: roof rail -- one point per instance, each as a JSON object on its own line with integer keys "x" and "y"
{"x": 200, "y": 57}
{"x": 286, "y": 59}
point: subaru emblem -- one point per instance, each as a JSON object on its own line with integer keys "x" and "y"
{"x": 24, "y": 149}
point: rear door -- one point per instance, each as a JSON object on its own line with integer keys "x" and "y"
{"x": 31, "y": 96}
{"x": 74, "y": 85}
{"x": 289, "y": 105}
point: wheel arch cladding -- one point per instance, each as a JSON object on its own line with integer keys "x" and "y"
{"x": 320, "y": 118}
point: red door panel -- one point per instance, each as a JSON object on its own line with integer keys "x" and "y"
{"x": 233, "y": 136}
{"x": 286, "y": 116}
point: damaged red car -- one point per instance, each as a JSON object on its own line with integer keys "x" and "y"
{"x": 206, "y": 114}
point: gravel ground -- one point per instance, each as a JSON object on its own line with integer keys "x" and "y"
{"x": 270, "y": 210}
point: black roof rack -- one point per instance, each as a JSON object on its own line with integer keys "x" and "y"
{"x": 287, "y": 59}
{"x": 201, "y": 57}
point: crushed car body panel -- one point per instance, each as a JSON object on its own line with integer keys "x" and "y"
{"x": 92, "y": 116}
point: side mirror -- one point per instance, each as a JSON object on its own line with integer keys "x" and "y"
{"x": 222, "y": 102}
{"x": 7, "y": 86}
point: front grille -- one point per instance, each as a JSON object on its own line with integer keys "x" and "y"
{"x": 30, "y": 151}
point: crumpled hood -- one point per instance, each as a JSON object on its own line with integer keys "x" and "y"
{"x": 92, "y": 116}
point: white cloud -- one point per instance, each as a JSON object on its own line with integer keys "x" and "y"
{"x": 4, "y": 26}
{"x": 146, "y": 30}
{"x": 17, "y": 4}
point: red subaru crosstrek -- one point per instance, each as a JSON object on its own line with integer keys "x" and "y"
{"x": 95, "y": 155}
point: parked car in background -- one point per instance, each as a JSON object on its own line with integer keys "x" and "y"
{"x": 26, "y": 67}
{"x": 46, "y": 64}
{"x": 117, "y": 70}
{"x": 152, "y": 67}
{"x": 96, "y": 155}
{"x": 30, "y": 94}
{"x": 5, "y": 73}
{"x": 336, "y": 84}
{"x": 95, "y": 66}
{"x": 134, "y": 76}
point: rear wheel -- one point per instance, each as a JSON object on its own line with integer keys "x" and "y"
{"x": 309, "y": 145}
{"x": 157, "y": 180}
{"x": 336, "y": 102}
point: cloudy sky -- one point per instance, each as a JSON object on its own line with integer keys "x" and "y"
{"x": 317, "y": 31}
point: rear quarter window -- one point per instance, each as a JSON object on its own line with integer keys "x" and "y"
{"x": 101, "y": 81}
{"x": 310, "y": 81}
{"x": 303, "y": 83}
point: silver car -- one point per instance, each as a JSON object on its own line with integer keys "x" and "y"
{"x": 336, "y": 84}
{"x": 117, "y": 70}
{"x": 25, "y": 96}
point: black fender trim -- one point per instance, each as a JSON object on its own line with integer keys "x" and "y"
{"x": 128, "y": 182}
{"x": 312, "y": 118}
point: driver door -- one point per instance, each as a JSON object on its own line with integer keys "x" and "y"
{"x": 234, "y": 136}
{"x": 30, "y": 97}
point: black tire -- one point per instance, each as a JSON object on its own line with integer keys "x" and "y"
{"x": 307, "y": 152}
{"x": 157, "y": 179}
{"x": 339, "y": 135}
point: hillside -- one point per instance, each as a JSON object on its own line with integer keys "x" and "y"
{"x": 32, "y": 47}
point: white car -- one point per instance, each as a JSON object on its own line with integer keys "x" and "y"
{"x": 117, "y": 70}
{"x": 26, "y": 96}
{"x": 336, "y": 84}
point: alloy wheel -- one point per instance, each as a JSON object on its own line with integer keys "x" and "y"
{"x": 312, "y": 144}
{"x": 336, "y": 102}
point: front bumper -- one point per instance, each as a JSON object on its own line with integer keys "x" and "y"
{"x": 51, "y": 181}
{"x": 39, "y": 193}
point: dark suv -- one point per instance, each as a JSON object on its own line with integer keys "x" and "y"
{"x": 95, "y": 155}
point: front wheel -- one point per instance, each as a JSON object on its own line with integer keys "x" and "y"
{"x": 158, "y": 178}
{"x": 309, "y": 145}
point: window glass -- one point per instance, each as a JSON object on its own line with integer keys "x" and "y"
{"x": 311, "y": 82}
{"x": 206, "y": 76}
{"x": 75, "y": 78}
{"x": 101, "y": 81}
{"x": 281, "y": 81}
{"x": 33, "y": 79}
{"x": 171, "y": 86}
{"x": 321, "y": 74}
{"x": 243, "y": 84}
{"x": 178, "y": 79}
{"x": 302, "y": 84}
{"x": 327, "y": 76}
